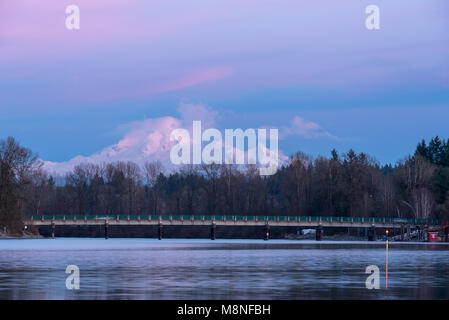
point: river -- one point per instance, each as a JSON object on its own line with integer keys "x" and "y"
{"x": 220, "y": 269}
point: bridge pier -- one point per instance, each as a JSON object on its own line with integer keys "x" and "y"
{"x": 267, "y": 232}
{"x": 53, "y": 229}
{"x": 159, "y": 231}
{"x": 372, "y": 233}
{"x": 106, "y": 230}
{"x": 213, "y": 229}
{"x": 404, "y": 227}
{"x": 318, "y": 233}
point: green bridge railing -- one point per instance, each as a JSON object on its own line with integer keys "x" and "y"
{"x": 212, "y": 218}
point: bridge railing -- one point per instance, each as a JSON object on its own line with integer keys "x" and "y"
{"x": 238, "y": 218}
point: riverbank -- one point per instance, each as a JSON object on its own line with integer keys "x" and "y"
{"x": 23, "y": 235}
{"x": 334, "y": 237}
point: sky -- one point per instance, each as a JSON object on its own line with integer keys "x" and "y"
{"x": 115, "y": 88}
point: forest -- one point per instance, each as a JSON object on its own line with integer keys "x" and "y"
{"x": 348, "y": 184}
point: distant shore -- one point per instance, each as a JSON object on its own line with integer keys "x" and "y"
{"x": 24, "y": 235}
{"x": 334, "y": 237}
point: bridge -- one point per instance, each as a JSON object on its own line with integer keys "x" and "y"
{"x": 404, "y": 226}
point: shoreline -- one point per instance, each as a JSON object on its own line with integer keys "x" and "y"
{"x": 308, "y": 241}
{"x": 340, "y": 237}
{"x": 25, "y": 235}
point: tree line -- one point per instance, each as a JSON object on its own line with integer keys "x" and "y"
{"x": 348, "y": 184}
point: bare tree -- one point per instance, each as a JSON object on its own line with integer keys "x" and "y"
{"x": 133, "y": 178}
{"x": 152, "y": 170}
{"x": 212, "y": 174}
{"x": 17, "y": 166}
{"x": 422, "y": 203}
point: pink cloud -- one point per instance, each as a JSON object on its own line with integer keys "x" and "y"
{"x": 194, "y": 78}
{"x": 303, "y": 128}
{"x": 190, "y": 112}
{"x": 35, "y": 30}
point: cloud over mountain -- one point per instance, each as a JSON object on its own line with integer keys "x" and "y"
{"x": 149, "y": 139}
{"x": 306, "y": 129}
{"x": 145, "y": 140}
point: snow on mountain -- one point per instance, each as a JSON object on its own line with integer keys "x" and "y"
{"x": 146, "y": 140}
{"x": 149, "y": 140}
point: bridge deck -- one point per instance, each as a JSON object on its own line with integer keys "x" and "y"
{"x": 226, "y": 220}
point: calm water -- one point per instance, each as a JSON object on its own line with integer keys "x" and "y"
{"x": 221, "y": 269}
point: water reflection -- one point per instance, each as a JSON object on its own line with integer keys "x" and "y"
{"x": 222, "y": 269}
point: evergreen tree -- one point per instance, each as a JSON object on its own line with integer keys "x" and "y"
{"x": 422, "y": 150}
{"x": 435, "y": 151}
